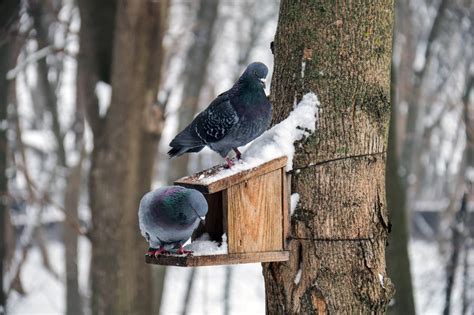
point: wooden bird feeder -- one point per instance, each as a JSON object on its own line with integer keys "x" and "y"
{"x": 251, "y": 207}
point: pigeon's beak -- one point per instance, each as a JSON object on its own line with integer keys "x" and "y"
{"x": 202, "y": 218}
{"x": 263, "y": 80}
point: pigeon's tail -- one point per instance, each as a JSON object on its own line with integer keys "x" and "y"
{"x": 177, "y": 151}
{"x": 185, "y": 141}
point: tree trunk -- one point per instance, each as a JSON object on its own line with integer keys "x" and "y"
{"x": 70, "y": 239}
{"x": 398, "y": 262}
{"x": 341, "y": 51}
{"x": 457, "y": 239}
{"x": 194, "y": 75}
{"x": 4, "y": 67}
{"x": 42, "y": 15}
{"x": 8, "y": 15}
{"x": 125, "y": 143}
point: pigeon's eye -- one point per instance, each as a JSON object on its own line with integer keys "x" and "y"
{"x": 255, "y": 72}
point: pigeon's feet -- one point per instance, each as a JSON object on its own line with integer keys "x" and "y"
{"x": 182, "y": 251}
{"x": 229, "y": 161}
{"x": 151, "y": 251}
{"x": 237, "y": 153}
{"x": 156, "y": 252}
{"x": 161, "y": 251}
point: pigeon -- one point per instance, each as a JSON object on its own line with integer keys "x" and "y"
{"x": 233, "y": 119}
{"x": 168, "y": 216}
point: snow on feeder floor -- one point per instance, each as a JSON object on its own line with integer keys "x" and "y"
{"x": 249, "y": 204}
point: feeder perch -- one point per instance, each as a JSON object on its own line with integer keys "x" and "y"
{"x": 251, "y": 207}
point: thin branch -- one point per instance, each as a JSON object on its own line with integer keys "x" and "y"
{"x": 32, "y": 58}
{"x": 33, "y": 191}
{"x": 433, "y": 35}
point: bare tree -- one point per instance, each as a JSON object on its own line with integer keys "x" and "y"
{"x": 125, "y": 141}
{"x": 398, "y": 261}
{"x": 342, "y": 52}
{"x": 8, "y": 15}
{"x": 195, "y": 74}
{"x": 43, "y": 14}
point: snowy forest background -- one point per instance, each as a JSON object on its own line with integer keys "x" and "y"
{"x": 206, "y": 45}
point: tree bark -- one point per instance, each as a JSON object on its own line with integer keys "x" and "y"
{"x": 340, "y": 50}
{"x": 125, "y": 142}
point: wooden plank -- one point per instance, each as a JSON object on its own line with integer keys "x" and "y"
{"x": 254, "y": 214}
{"x": 286, "y": 206}
{"x": 210, "y": 260}
{"x": 196, "y": 181}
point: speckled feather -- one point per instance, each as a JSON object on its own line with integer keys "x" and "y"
{"x": 233, "y": 119}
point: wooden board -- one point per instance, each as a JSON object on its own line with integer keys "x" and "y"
{"x": 210, "y": 260}
{"x": 254, "y": 214}
{"x": 195, "y": 182}
{"x": 286, "y": 206}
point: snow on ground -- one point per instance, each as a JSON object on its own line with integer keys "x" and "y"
{"x": 277, "y": 141}
{"x": 45, "y": 294}
{"x": 247, "y": 290}
{"x": 427, "y": 267}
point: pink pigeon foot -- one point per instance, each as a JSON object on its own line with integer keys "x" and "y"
{"x": 157, "y": 252}
{"x": 229, "y": 162}
{"x": 182, "y": 251}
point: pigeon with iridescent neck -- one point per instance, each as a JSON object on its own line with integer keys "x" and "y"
{"x": 233, "y": 119}
{"x": 168, "y": 217}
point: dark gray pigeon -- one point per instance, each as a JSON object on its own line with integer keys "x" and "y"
{"x": 233, "y": 119}
{"x": 168, "y": 216}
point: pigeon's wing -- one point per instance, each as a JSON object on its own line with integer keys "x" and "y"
{"x": 209, "y": 126}
{"x": 217, "y": 120}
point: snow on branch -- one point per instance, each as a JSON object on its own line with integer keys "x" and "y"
{"x": 32, "y": 58}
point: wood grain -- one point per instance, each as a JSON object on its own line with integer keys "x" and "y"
{"x": 254, "y": 214}
{"x": 210, "y": 260}
{"x": 223, "y": 183}
{"x": 286, "y": 206}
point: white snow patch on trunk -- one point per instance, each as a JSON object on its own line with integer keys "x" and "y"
{"x": 277, "y": 141}
{"x": 298, "y": 276}
{"x": 303, "y": 68}
{"x": 381, "y": 280}
{"x": 295, "y": 198}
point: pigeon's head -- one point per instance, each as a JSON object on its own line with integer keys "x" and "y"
{"x": 257, "y": 71}
{"x": 198, "y": 203}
